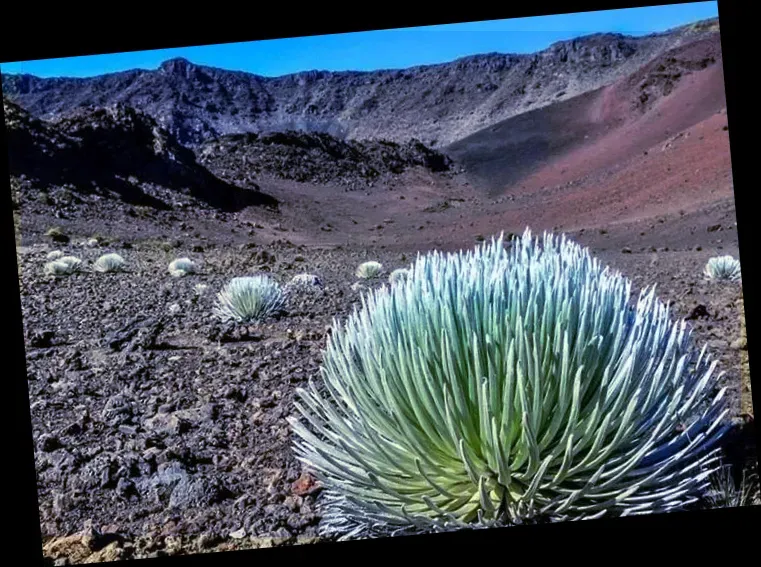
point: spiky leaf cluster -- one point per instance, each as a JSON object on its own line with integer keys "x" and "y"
{"x": 182, "y": 267}
{"x": 249, "y": 299}
{"x": 398, "y": 275}
{"x": 368, "y": 270}
{"x": 722, "y": 268}
{"x": 111, "y": 262}
{"x": 500, "y": 386}
{"x": 63, "y": 266}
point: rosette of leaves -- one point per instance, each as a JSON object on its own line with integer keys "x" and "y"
{"x": 182, "y": 267}
{"x": 368, "y": 270}
{"x": 249, "y": 299}
{"x": 108, "y": 263}
{"x": 722, "y": 268}
{"x": 398, "y": 275}
{"x": 63, "y": 266}
{"x": 502, "y": 386}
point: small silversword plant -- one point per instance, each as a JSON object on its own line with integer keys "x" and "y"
{"x": 63, "y": 266}
{"x": 398, "y": 275}
{"x": 109, "y": 263}
{"x": 249, "y": 299}
{"x": 368, "y": 270}
{"x": 722, "y": 268}
{"x": 182, "y": 267}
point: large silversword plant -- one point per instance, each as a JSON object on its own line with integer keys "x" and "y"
{"x": 500, "y": 386}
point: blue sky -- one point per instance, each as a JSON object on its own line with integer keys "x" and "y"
{"x": 384, "y": 49}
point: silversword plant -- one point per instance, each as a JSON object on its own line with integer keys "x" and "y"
{"x": 504, "y": 386}
{"x": 63, "y": 266}
{"x": 182, "y": 267}
{"x": 368, "y": 270}
{"x": 111, "y": 262}
{"x": 722, "y": 268}
{"x": 249, "y": 299}
{"x": 398, "y": 275}
{"x": 54, "y": 255}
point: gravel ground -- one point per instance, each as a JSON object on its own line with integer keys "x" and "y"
{"x": 161, "y": 431}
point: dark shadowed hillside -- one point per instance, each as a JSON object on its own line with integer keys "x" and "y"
{"x": 115, "y": 152}
{"x": 437, "y": 104}
{"x": 316, "y": 158}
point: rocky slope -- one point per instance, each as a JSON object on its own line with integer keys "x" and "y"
{"x": 316, "y": 158}
{"x": 438, "y": 104}
{"x": 112, "y": 152}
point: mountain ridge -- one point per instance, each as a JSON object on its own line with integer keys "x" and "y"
{"x": 438, "y": 104}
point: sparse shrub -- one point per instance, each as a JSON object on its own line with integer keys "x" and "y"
{"x": 398, "y": 275}
{"x": 111, "y": 262}
{"x": 505, "y": 386}
{"x": 63, "y": 266}
{"x": 54, "y": 255}
{"x": 369, "y": 270}
{"x": 722, "y": 268}
{"x": 306, "y": 280}
{"x": 249, "y": 299}
{"x": 182, "y": 267}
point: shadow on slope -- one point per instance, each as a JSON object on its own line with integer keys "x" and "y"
{"x": 116, "y": 150}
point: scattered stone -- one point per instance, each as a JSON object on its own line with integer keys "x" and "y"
{"x": 698, "y": 312}
{"x": 49, "y": 443}
{"x": 125, "y": 487}
{"x": 42, "y": 339}
{"x": 167, "y": 424}
{"x": 305, "y": 485}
